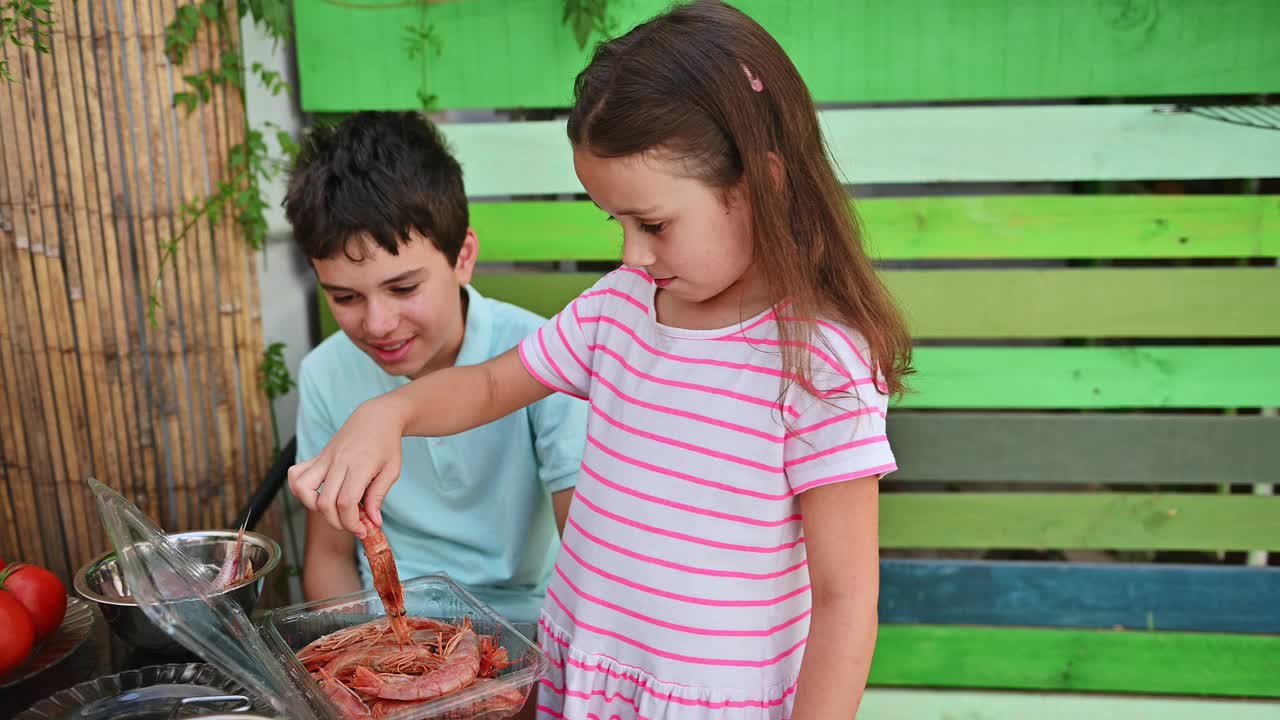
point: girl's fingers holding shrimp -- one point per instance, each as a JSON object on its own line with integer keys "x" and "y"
{"x": 378, "y": 490}
{"x": 305, "y": 479}
{"x": 349, "y": 497}
{"x": 327, "y": 499}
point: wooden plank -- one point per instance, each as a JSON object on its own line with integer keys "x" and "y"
{"x": 1016, "y": 377}
{"x": 946, "y": 144}
{"x": 1093, "y": 303}
{"x": 881, "y": 703}
{"x": 1095, "y": 377}
{"x": 1205, "y": 598}
{"x": 938, "y": 228}
{"x": 1030, "y": 303}
{"x": 1078, "y": 660}
{"x": 1021, "y": 377}
{"x": 967, "y": 49}
{"x": 542, "y": 293}
{"x": 1099, "y": 521}
{"x": 1093, "y": 448}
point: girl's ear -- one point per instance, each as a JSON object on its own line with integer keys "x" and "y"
{"x": 777, "y": 171}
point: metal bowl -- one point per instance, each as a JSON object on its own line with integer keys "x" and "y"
{"x": 102, "y": 582}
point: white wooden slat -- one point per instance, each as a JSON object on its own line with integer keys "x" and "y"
{"x": 935, "y": 144}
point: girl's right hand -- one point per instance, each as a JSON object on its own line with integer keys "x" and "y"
{"x": 359, "y": 464}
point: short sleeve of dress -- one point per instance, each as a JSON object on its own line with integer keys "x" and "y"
{"x": 840, "y": 434}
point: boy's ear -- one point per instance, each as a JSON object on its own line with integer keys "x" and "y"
{"x": 467, "y": 256}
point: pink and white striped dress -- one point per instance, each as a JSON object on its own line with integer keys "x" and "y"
{"x": 682, "y": 589}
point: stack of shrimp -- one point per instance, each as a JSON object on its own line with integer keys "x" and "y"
{"x": 380, "y": 667}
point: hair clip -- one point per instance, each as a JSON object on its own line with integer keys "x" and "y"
{"x": 756, "y": 83}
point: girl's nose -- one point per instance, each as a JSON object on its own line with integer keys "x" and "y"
{"x": 637, "y": 251}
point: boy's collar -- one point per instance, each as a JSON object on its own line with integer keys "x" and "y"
{"x": 477, "y": 331}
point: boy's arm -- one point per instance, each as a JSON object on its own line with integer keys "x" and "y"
{"x": 560, "y": 502}
{"x": 559, "y": 427}
{"x": 362, "y": 460}
{"x": 842, "y": 542}
{"x": 329, "y": 561}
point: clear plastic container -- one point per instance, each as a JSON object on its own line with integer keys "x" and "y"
{"x": 179, "y": 598}
{"x": 289, "y": 629}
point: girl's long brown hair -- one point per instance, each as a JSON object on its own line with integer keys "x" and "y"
{"x": 682, "y": 83}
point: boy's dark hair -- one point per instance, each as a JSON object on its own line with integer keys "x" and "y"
{"x": 376, "y": 173}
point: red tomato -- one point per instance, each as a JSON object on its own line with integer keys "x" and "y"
{"x": 18, "y": 636}
{"x": 40, "y": 592}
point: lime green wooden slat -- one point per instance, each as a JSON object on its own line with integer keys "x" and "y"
{"x": 543, "y": 293}
{"x": 353, "y": 58}
{"x": 1149, "y": 303}
{"x": 1108, "y": 521}
{"x": 1158, "y": 303}
{"x": 1078, "y": 660}
{"x": 882, "y": 703}
{"x": 1012, "y": 378}
{"x": 1015, "y": 227}
{"x": 940, "y": 144}
{"x": 1095, "y": 377}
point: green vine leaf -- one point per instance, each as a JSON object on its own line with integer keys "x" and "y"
{"x": 275, "y": 381}
{"x": 274, "y": 378}
{"x": 274, "y": 15}
{"x": 418, "y": 41}
{"x": 32, "y": 18}
{"x": 585, "y": 17}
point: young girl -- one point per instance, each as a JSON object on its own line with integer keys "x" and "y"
{"x": 721, "y": 553}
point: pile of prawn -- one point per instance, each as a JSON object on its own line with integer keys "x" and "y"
{"x": 380, "y": 667}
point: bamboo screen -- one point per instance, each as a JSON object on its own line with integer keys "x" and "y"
{"x": 94, "y": 168}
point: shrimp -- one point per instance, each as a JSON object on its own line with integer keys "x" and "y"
{"x": 347, "y": 702}
{"x": 234, "y": 566}
{"x": 461, "y": 665}
{"x": 386, "y": 580}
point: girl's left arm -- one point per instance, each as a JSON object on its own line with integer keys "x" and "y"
{"x": 842, "y": 539}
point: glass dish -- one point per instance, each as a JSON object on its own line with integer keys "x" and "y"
{"x": 119, "y": 696}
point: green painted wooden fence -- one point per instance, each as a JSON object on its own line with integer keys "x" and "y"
{"x": 1092, "y": 367}
{"x": 516, "y": 53}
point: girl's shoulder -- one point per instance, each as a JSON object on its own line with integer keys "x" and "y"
{"x": 839, "y": 356}
{"x": 845, "y": 344}
{"x": 624, "y": 285}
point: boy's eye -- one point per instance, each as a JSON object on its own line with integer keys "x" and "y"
{"x": 404, "y": 289}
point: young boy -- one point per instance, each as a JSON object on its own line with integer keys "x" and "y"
{"x": 377, "y": 204}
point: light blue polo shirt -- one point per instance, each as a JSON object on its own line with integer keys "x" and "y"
{"x": 476, "y": 505}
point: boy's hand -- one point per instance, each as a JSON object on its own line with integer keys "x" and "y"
{"x": 360, "y": 463}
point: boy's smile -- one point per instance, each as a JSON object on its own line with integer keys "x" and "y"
{"x": 405, "y": 311}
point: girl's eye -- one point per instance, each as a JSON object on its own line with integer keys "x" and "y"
{"x": 404, "y": 289}
{"x": 650, "y": 228}
{"x": 342, "y": 299}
